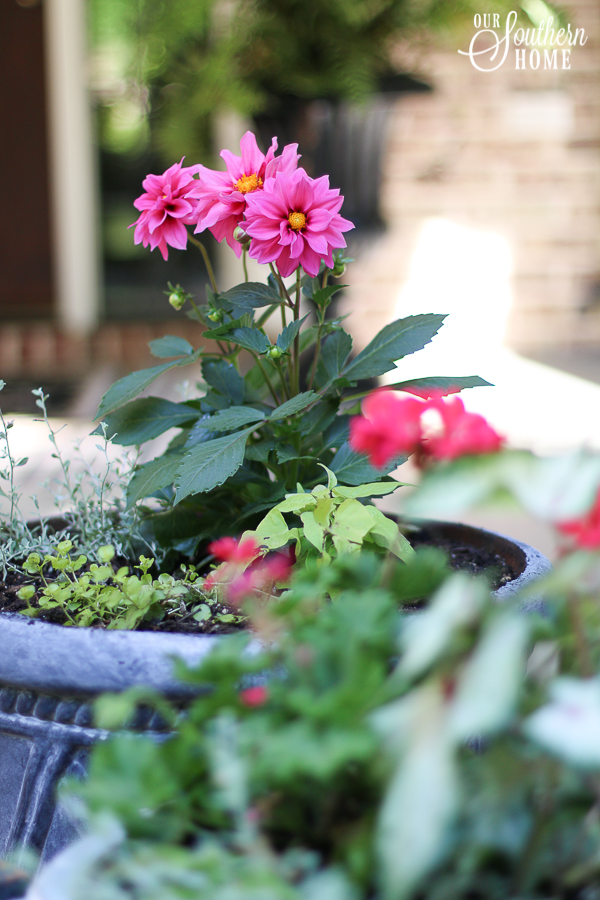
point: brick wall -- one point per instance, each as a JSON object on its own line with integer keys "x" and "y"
{"x": 515, "y": 153}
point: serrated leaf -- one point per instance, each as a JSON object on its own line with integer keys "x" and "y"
{"x": 229, "y": 419}
{"x": 153, "y": 476}
{"x": 249, "y": 339}
{"x": 133, "y": 384}
{"x": 295, "y": 405}
{"x": 251, "y": 294}
{"x": 224, "y": 378}
{"x": 441, "y": 384}
{"x": 398, "y": 339}
{"x": 354, "y": 468}
{"x": 335, "y": 351}
{"x": 323, "y": 295}
{"x": 146, "y": 418}
{"x": 170, "y": 345}
{"x": 259, "y": 452}
{"x": 221, "y": 331}
{"x": 286, "y": 338}
{"x": 209, "y": 464}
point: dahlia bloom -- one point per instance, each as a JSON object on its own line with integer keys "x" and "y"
{"x": 585, "y": 530}
{"x": 461, "y": 433}
{"x": 165, "y": 209}
{"x": 222, "y": 196}
{"x": 389, "y": 426}
{"x": 294, "y": 221}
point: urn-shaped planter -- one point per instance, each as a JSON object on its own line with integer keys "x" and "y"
{"x": 50, "y": 675}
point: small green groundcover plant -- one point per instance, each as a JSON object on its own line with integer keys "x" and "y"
{"x": 446, "y": 753}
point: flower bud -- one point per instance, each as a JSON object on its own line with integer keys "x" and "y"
{"x": 274, "y": 352}
{"x": 176, "y": 299}
{"x": 215, "y": 315}
{"x": 240, "y": 235}
{"x": 338, "y": 269}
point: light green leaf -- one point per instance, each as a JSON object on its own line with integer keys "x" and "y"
{"x": 209, "y": 464}
{"x": 385, "y": 533}
{"x": 232, "y": 418}
{"x": 351, "y": 521}
{"x": 377, "y": 489}
{"x": 335, "y": 351}
{"x": 273, "y": 531}
{"x": 489, "y": 684}
{"x": 133, "y": 384}
{"x": 569, "y": 725}
{"x": 313, "y": 532}
{"x": 297, "y": 503}
{"x": 153, "y": 476}
{"x": 420, "y": 800}
{"x": 146, "y": 418}
{"x": 398, "y": 339}
{"x": 424, "y": 637}
{"x": 295, "y": 405}
{"x": 170, "y": 345}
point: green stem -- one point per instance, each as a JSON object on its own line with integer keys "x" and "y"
{"x": 207, "y": 262}
{"x": 245, "y": 262}
{"x": 315, "y": 361}
{"x": 268, "y": 382}
{"x": 296, "y": 353}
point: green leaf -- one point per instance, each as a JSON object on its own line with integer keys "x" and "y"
{"x": 335, "y": 352}
{"x": 225, "y": 379}
{"x": 147, "y": 418}
{"x": 133, "y": 384}
{"x": 398, "y": 339}
{"x": 229, "y": 419}
{"x": 273, "y": 531}
{"x": 221, "y": 331}
{"x": 424, "y": 387}
{"x": 313, "y": 532}
{"x": 323, "y": 295}
{"x": 286, "y": 338}
{"x": 176, "y": 524}
{"x": 354, "y": 468}
{"x": 351, "y": 521}
{"x": 250, "y": 339}
{"x": 378, "y": 489}
{"x": 153, "y": 476}
{"x": 290, "y": 407}
{"x": 170, "y": 345}
{"x": 251, "y": 295}
{"x": 209, "y": 464}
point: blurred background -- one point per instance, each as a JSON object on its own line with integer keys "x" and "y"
{"x": 473, "y": 193}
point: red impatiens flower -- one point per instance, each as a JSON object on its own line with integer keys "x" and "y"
{"x": 294, "y": 221}
{"x": 389, "y": 426}
{"x": 461, "y": 433}
{"x": 165, "y": 209}
{"x": 254, "y": 696}
{"x": 585, "y": 530}
{"x": 222, "y": 196}
{"x": 227, "y": 549}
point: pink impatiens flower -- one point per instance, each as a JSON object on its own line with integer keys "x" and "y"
{"x": 294, "y": 221}
{"x": 461, "y": 433}
{"x": 585, "y": 530}
{"x": 222, "y": 196}
{"x": 165, "y": 209}
{"x": 389, "y": 426}
{"x": 434, "y": 429}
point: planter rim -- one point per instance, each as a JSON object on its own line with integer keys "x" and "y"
{"x": 83, "y": 662}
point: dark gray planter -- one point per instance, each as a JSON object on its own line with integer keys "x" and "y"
{"x": 50, "y": 674}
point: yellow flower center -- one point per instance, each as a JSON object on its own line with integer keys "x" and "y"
{"x": 297, "y": 220}
{"x": 248, "y": 183}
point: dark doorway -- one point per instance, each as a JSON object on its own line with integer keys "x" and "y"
{"x": 25, "y": 242}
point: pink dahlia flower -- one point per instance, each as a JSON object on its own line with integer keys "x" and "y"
{"x": 222, "y": 196}
{"x": 165, "y": 209}
{"x": 294, "y": 221}
{"x": 390, "y": 426}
